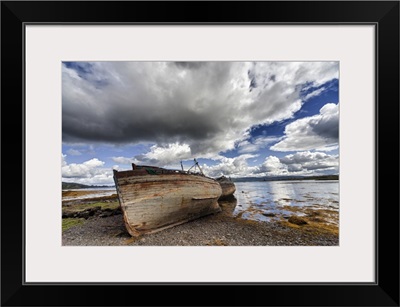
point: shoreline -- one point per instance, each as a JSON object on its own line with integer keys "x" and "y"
{"x": 219, "y": 229}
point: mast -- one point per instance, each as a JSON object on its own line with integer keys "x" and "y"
{"x": 197, "y": 164}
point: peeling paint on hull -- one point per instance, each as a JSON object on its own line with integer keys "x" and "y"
{"x": 153, "y": 202}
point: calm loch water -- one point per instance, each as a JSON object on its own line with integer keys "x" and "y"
{"x": 274, "y": 200}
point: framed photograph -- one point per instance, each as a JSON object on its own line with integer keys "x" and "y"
{"x": 245, "y": 148}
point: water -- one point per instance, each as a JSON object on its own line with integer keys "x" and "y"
{"x": 274, "y": 200}
{"x": 90, "y": 193}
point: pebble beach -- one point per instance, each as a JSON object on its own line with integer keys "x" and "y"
{"x": 104, "y": 226}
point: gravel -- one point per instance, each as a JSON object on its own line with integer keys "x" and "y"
{"x": 219, "y": 229}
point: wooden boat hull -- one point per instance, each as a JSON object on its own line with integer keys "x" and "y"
{"x": 227, "y": 186}
{"x": 227, "y": 190}
{"x": 151, "y": 203}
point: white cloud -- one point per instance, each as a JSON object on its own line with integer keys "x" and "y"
{"x": 74, "y": 152}
{"x": 85, "y": 169}
{"x": 89, "y": 172}
{"x": 314, "y": 93}
{"x": 123, "y": 160}
{"x": 327, "y": 148}
{"x": 311, "y": 161}
{"x": 258, "y": 143}
{"x": 272, "y": 166}
{"x": 63, "y": 162}
{"x": 93, "y": 163}
{"x": 165, "y": 155}
{"x": 294, "y": 73}
{"x": 235, "y": 167}
{"x": 320, "y": 132}
{"x": 299, "y": 164}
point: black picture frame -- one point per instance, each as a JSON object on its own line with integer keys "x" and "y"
{"x": 383, "y": 14}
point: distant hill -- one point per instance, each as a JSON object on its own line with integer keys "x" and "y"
{"x": 283, "y": 178}
{"x": 73, "y": 185}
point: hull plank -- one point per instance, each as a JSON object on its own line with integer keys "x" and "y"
{"x": 154, "y": 202}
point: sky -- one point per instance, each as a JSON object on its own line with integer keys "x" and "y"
{"x": 238, "y": 119}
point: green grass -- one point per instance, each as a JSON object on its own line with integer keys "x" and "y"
{"x": 71, "y": 222}
{"x": 82, "y": 207}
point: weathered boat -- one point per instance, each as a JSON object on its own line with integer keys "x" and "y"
{"x": 227, "y": 186}
{"x": 154, "y": 198}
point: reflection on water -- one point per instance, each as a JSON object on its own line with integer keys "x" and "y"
{"x": 274, "y": 200}
{"x": 228, "y": 205}
{"x": 89, "y": 193}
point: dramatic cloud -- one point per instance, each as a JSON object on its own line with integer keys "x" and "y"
{"x": 186, "y": 108}
{"x": 319, "y": 132}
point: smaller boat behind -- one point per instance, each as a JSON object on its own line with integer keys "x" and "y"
{"x": 227, "y": 186}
